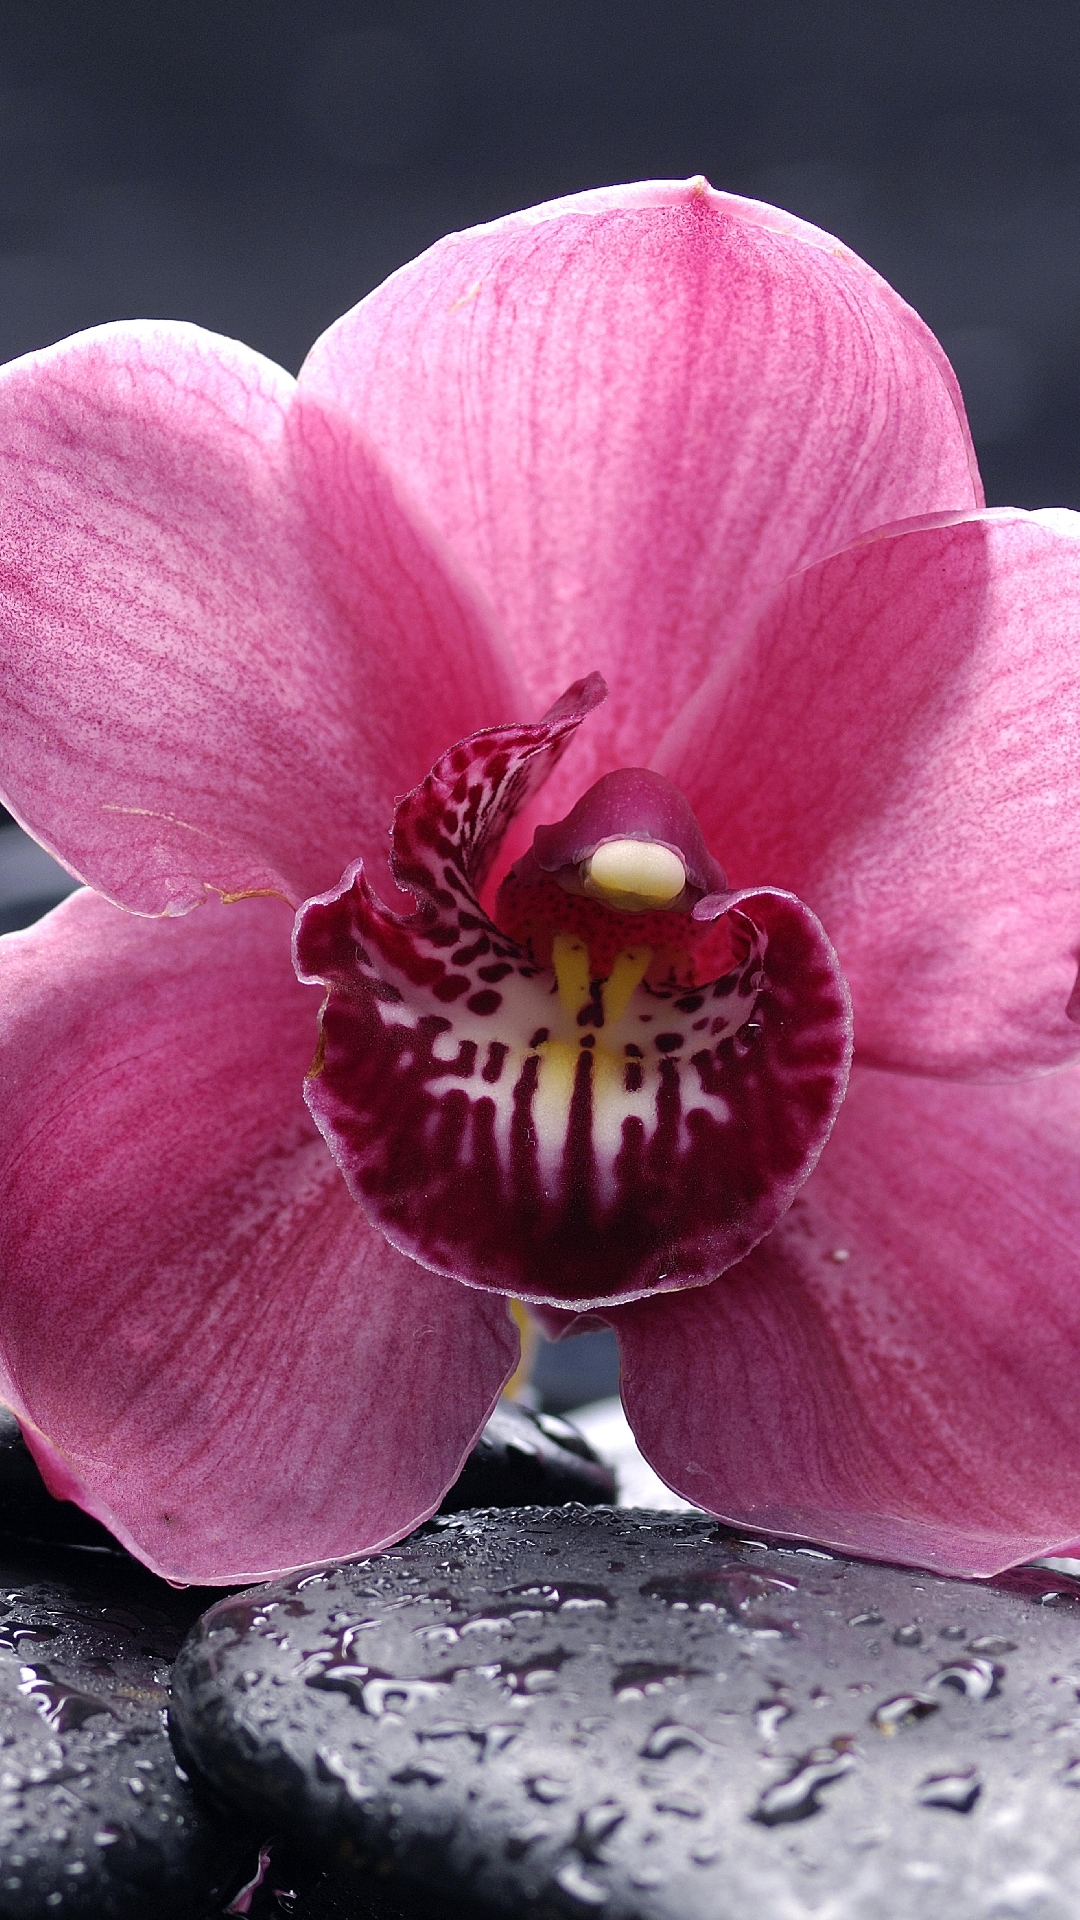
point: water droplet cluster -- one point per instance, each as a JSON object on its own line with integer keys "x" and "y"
{"x": 585, "y": 1710}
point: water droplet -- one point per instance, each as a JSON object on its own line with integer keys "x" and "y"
{"x": 538, "y": 1675}
{"x": 909, "y": 1636}
{"x": 15, "y": 1631}
{"x": 332, "y": 1765}
{"x": 991, "y": 1644}
{"x": 65, "y": 1708}
{"x": 732, "y": 1588}
{"x": 976, "y": 1679}
{"x": 903, "y": 1710}
{"x": 667, "y": 1737}
{"x": 496, "y": 1738}
{"x": 680, "y": 1803}
{"x": 1070, "y": 1774}
{"x": 596, "y": 1825}
{"x": 641, "y": 1677}
{"x": 871, "y": 1618}
{"x": 573, "y": 1880}
{"x": 519, "y": 1843}
{"x": 956, "y": 1791}
{"x": 533, "y": 1598}
{"x": 797, "y": 1797}
{"x": 704, "y": 1855}
{"x": 769, "y": 1716}
{"x": 419, "y": 1770}
{"x": 547, "y": 1789}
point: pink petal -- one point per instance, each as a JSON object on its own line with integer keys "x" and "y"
{"x": 631, "y": 412}
{"x": 226, "y": 642}
{"x": 898, "y": 741}
{"x": 218, "y": 1356}
{"x": 562, "y": 1138}
{"x": 896, "y": 1370}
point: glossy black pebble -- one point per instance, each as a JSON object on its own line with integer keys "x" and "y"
{"x": 529, "y": 1459}
{"x": 562, "y": 1712}
{"x": 521, "y": 1458}
{"x": 27, "y": 1508}
{"x": 94, "y": 1820}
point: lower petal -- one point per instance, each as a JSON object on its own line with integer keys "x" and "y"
{"x": 896, "y": 1370}
{"x": 211, "y": 1348}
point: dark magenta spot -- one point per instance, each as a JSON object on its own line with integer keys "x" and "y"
{"x": 668, "y": 1042}
{"x": 588, "y": 1040}
{"x": 385, "y": 990}
{"x": 452, "y": 988}
{"x": 691, "y": 1003}
{"x": 493, "y": 1065}
{"x": 539, "y": 1037}
{"x": 633, "y": 1075}
{"x": 487, "y": 1001}
{"x": 429, "y": 1024}
{"x": 631, "y": 1049}
{"x": 498, "y": 972}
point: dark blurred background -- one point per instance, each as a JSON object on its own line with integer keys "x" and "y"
{"x": 258, "y": 165}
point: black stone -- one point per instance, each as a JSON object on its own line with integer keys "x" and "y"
{"x": 558, "y": 1713}
{"x": 529, "y": 1459}
{"x": 94, "y": 1818}
{"x": 27, "y": 1508}
{"x": 521, "y": 1459}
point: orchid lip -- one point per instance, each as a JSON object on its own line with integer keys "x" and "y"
{"x": 580, "y": 1101}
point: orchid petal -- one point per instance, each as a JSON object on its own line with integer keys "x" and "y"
{"x": 574, "y": 1139}
{"x": 898, "y": 741}
{"x": 210, "y": 1348}
{"x": 896, "y": 1370}
{"x": 632, "y": 412}
{"x": 233, "y": 579}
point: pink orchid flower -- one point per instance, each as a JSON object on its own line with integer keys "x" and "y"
{"x": 656, "y": 439}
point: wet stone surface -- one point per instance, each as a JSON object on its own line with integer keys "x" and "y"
{"x": 94, "y": 1819}
{"x": 27, "y": 1508}
{"x": 529, "y": 1459}
{"x": 587, "y": 1711}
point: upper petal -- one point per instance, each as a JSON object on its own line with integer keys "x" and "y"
{"x": 898, "y": 741}
{"x": 630, "y": 412}
{"x": 227, "y": 643}
{"x": 896, "y": 1370}
{"x": 212, "y": 1349}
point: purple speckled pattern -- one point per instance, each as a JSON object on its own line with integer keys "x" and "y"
{"x": 571, "y": 1140}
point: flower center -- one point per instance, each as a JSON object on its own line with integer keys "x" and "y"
{"x": 617, "y": 1084}
{"x": 633, "y": 875}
